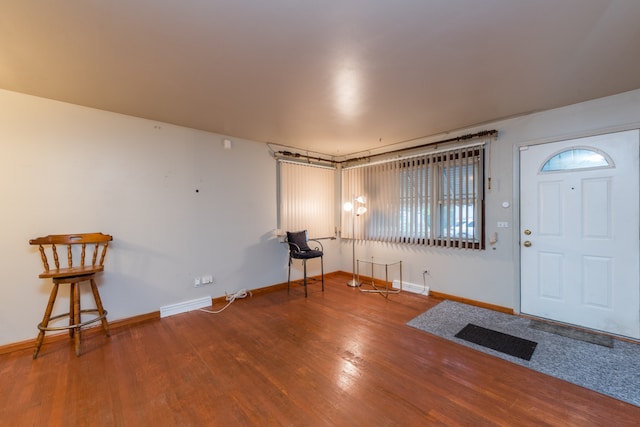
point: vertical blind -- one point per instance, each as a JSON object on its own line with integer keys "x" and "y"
{"x": 429, "y": 199}
{"x": 306, "y": 198}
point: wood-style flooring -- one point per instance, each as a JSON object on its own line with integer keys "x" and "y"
{"x": 338, "y": 358}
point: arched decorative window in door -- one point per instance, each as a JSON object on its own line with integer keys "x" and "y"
{"x": 577, "y": 158}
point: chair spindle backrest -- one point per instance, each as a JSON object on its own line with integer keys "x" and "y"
{"x": 98, "y": 240}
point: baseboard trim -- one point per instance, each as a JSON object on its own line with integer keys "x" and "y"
{"x": 183, "y": 307}
{"x": 156, "y": 315}
{"x": 28, "y": 344}
{"x": 420, "y": 290}
{"x": 113, "y": 325}
{"x": 472, "y": 302}
{"x": 280, "y": 286}
{"x": 412, "y": 287}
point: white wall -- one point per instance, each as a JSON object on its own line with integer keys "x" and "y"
{"x": 492, "y": 275}
{"x": 66, "y": 168}
{"x": 70, "y": 169}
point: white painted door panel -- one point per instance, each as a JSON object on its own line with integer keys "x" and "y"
{"x": 582, "y": 265}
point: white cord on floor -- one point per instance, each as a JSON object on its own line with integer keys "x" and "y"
{"x": 424, "y": 281}
{"x": 242, "y": 293}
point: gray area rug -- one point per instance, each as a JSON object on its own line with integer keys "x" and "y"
{"x": 611, "y": 371}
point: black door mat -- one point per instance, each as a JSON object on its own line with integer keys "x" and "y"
{"x": 576, "y": 334}
{"x": 504, "y": 343}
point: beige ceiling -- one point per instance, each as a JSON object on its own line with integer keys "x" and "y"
{"x": 333, "y": 76}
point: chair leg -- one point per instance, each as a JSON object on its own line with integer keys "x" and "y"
{"x": 289, "y": 278}
{"x": 77, "y": 316}
{"x": 45, "y": 319}
{"x": 304, "y": 262}
{"x": 72, "y": 311}
{"x": 322, "y": 271}
{"x": 101, "y": 312}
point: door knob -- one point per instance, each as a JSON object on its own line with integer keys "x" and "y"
{"x": 527, "y": 244}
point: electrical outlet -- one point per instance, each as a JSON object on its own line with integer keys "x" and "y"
{"x": 201, "y": 281}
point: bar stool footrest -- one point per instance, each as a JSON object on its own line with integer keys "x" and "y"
{"x": 74, "y": 326}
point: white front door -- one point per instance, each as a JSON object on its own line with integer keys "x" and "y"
{"x": 579, "y": 232}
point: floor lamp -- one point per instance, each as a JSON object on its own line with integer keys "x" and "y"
{"x": 355, "y": 211}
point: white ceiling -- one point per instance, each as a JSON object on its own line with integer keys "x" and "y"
{"x": 333, "y": 76}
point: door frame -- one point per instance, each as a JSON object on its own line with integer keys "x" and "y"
{"x": 516, "y": 220}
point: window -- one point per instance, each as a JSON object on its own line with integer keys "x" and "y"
{"x": 432, "y": 199}
{"x": 576, "y": 158}
{"x": 306, "y": 198}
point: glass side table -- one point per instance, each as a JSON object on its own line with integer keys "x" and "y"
{"x": 376, "y": 288}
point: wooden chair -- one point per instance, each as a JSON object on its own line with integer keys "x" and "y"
{"x": 77, "y": 270}
{"x": 299, "y": 249}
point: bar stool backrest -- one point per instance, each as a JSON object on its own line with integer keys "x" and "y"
{"x": 78, "y": 246}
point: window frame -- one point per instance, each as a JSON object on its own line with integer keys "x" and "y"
{"x": 555, "y": 163}
{"x": 416, "y": 214}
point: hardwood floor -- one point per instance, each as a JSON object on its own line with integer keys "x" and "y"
{"x": 337, "y": 358}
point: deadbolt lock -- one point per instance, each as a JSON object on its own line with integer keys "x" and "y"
{"x": 527, "y": 232}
